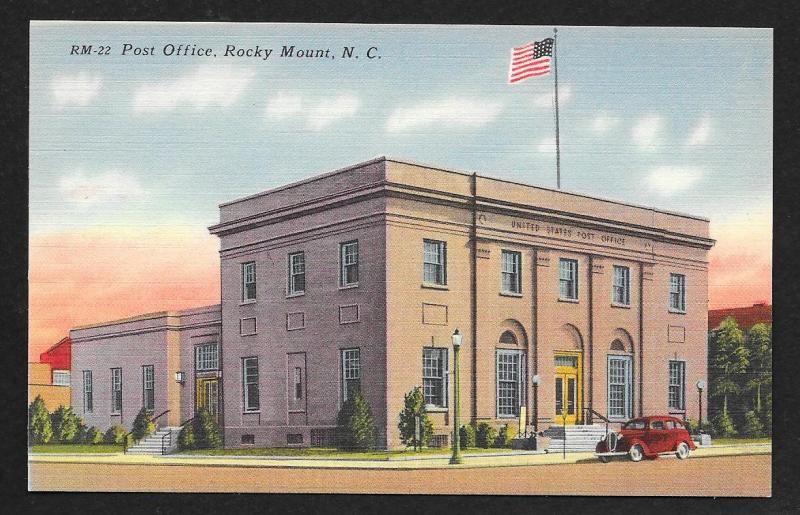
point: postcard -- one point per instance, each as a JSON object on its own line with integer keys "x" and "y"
{"x": 353, "y": 258}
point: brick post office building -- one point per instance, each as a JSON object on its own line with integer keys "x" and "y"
{"x": 356, "y": 279}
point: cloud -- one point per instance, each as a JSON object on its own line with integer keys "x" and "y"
{"x": 645, "y": 133}
{"x": 283, "y": 105}
{"x": 603, "y": 123}
{"x": 547, "y": 145}
{"x": 108, "y": 186}
{"x": 453, "y": 113}
{"x": 76, "y": 90}
{"x": 327, "y": 112}
{"x": 547, "y": 99}
{"x": 205, "y": 87}
{"x": 701, "y": 132}
{"x": 668, "y": 180}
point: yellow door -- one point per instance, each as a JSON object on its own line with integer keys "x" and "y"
{"x": 208, "y": 395}
{"x": 567, "y": 388}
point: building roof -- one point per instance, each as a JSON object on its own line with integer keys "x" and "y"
{"x": 746, "y": 317}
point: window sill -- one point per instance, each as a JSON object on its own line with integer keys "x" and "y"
{"x": 437, "y": 409}
{"x": 247, "y": 334}
{"x": 246, "y": 302}
{"x": 348, "y": 286}
{"x": 510, "y": 294}
{"x": 508, "y": 416}
{"x": 677, "y": 311}
{"x": 297, "y": 294}
{"x": 434, "y": 286}
{"x": 251, "y": 412}
{"x": 622, "y": 306}
{"x": 570, "y": 301}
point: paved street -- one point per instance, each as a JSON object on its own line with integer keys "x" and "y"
{"x": 710, "y": 476}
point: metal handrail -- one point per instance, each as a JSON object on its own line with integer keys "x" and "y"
{"x": 592, "y": 412}
{"x": 129, "y": 433}
{"x": 160, "y": 415}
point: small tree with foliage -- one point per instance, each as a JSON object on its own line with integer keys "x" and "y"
{"x": 485, "y": 435}
{"x": 729, "y": 360}
{"x": 143, "y": 425}
{"x": 186, "y": 438}
{"x": 723, "y": 425}
{"x": 504, "y": 437}
{"x": 40, "y": 429}
{"x": 65, "y": 424}
{"x": 206, "y": 430}
{"x": 759, "y": 349}
{"x": 414, "y": 406}
{"x": 467, "y": 436}
{"x": 93, "y": 436}
{"x": 356, "y": 425}
{"x": 752, "y": 425}
{"x": 116, "y": 434}
{"x": 80, "y": 432}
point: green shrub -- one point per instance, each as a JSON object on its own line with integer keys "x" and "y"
{"x": 356, "y": 425}
{"x": 143, "y": 425}
{"x": 206, "y": 431}
{"x": 40, "y": 429}
{"x": 467, "y": 436}
{"x": 504, "y": 437}
{"x": 115, "y": 434}
{"x": 723, "y": 426}
{"x": 752, "y": 425}
{"x": 694, "y": 427}
{"x": 64, "y": 424}
{"x": 414, "y": 405}
{"x": 80, "y": 433}
{"x": 93, "y": 436}
{"x": 186, "y": 438}
{"x": 485, "y": 435}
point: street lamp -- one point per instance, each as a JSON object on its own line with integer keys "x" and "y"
{"x": 456, "y": 458}
{"x": 536, "y": 380}
{"x": 700, "y": 385}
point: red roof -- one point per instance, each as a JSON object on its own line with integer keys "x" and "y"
{"x": 746, "y": 317}
{"x": 59, "y": 355}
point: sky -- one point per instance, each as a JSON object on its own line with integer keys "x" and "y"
{"x": 131, "y": 155}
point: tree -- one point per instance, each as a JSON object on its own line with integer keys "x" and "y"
{"x": 143, "y": 425}
{"x": 759, "y": 348}
{"x": 728, "y": 363}
{"x": 356, "y": 425}
{"x": 64, "y": 424}
{"x": 40, "y": 429}
{"x": 467, "y": 436}
{"x": 206, "y": 430}
{"x": 93, "y": 436}
{"x": 186, "y": 438}
{"x": 415, "y": 407}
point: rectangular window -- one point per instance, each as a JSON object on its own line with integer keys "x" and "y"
{"x": 248, "y": 281}
{"x": 351, "y": 372}
{"x": 510, "y": 382}
{"x": 568, "y": 279}
{"x": 148, "y": 388}
{"x": 510, "y": 272}
{"x": 619, "y": 386}
{"x": 677, "y": 385}
{"x": 206, "y": 357}
{"x": 61, "y": 377}
{"x": 621, "y": 289}
{"x": 116, "y": 390}
{"x": 297, "y": 273}
{"x": 434, "y": 384}
{"x": 434, "y": 262}
{"x": 298, "y": 383}
{"x": 677, "y": 292}
{"x": 348, "y": 256}
{"x": 88, "y": 398}
{"x": 250, "y": 384}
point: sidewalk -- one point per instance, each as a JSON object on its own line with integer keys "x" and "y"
{"x": 512, "y": 459}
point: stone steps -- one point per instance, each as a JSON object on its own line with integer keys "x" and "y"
{"x": 153, "y": 443}
{"x": 574, "y": 438}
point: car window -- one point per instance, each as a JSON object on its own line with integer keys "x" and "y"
{"x": 656, "y": 424}
{"x": 634, "y": 424}
{"x": 669, "y": 424}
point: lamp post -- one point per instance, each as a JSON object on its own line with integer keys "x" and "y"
{"x": 700, "y": 385}
{"x": 536, "y": 381}
{"x": 456, "y": 458}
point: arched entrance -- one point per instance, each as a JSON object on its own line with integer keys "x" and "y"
{"x": 568, "y": 378}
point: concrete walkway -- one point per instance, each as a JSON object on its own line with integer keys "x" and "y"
{"x": 511, "y": 459}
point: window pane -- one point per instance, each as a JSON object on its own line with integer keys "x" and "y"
{"x": 433, "y": 376}
{"x": 433, "y": 262}
{"x": 509, "y": 378}
{"x": 351, "y": 372}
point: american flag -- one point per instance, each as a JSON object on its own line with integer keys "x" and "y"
{"x": 530, "y": 60}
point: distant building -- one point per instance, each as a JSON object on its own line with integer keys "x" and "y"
{"x": 746, "y": 317}
{"x": 50, "y": 376}
{"x": 356, "y": 280}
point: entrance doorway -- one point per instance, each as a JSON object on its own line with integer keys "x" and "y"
{"x": 208, "y": 395}
{"x": 567, "y": 387}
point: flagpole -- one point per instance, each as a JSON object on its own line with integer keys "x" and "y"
{"x": 555, "y": 75}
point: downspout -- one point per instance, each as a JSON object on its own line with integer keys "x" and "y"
{"x": 591, "y": 334}
{"x": 473, "y": 289}
{"x": 641, "y": 339}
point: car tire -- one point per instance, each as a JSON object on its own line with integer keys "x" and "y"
{"x": 636, "y": 453}
{"x": 604, "y": 459}
{"x": 682, "y": 452}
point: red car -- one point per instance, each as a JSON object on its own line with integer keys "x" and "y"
{"x": 647, "y": 437}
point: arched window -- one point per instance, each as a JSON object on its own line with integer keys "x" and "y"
{"x": 508, "y": 337}
{"x": 618, "y": 345}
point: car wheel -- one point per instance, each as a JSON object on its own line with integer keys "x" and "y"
{"x": 682, "y": 452}
{"x": 604, "y": 459}
{"x": 636, "y": 453}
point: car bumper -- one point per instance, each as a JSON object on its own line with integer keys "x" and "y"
{"x": 615, "y": 453}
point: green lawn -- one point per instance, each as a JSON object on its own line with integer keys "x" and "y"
{"x": 735, "y": 441}
{"x": 74, "y": 448}
{"x": 334, "y": 453}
